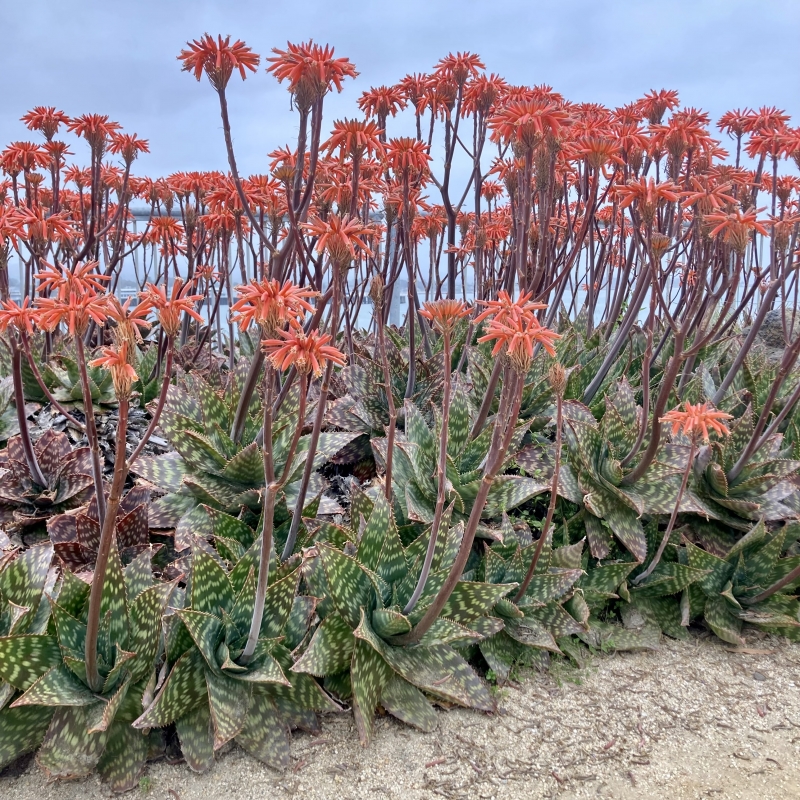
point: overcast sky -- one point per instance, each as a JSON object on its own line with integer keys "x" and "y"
{"x": 118, "y": 58}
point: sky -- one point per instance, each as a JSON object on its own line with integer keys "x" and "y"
{"x": 119, "y": 58}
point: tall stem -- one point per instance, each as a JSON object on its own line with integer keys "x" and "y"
{"x": 509, "y": 399}
{"x": 91, "y": 431}
{"x": 441, "y": 477}
{"x": 162, "y": 399}
{"x": 104, "y": 550}
{"x": 22, "y": 420}
{"x": 668, "y": 532}
{"x": 552, "y": 505}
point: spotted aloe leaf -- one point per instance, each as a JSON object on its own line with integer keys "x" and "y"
{"x": 183, "y": 690}
{"x": 124, "y": 757}
{"x": 408, "y": 704}
{"x": 265, "y": 735}
{"x": 369, "y": 674}
{"x": 197, "y": 738}
{"x": 470, "y": 600}
{"x": 229, "y": 700}
{"x": 719, "y": 617}
{"x": 21, "y": 731}
{"x": 57, "y": 687}
{"x": 348, "y": 582}
{"x": 330, "y": 650}
{"x": 26, "y": 658}
{"x": 166, "y": 471}
{"x": 668, "y": 578}
{"x": 68, "y": 751}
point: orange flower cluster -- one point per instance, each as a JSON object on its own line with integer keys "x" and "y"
{"x": 697, "y": 419}
{"x": 514, "y": 329}
{"x": 306, "y": 352}
{"x": 271, "y": 305}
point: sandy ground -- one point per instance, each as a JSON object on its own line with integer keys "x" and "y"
{"x": 694, "y": 720}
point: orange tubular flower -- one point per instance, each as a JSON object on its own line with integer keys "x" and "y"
{"x": 505, "y": 309}
{"x": 117, "y": 362}
{"x": 23, "y": 157}
{"x": 737, "y": 227}
{"x": 459, "y": 67}
{"x": 407, "y": 156}
{"x": 45, "y": 119}
{"x": 340, "y": 236}
{"x": 444, "y": 314}
{"x": 271, "y": 305}
{"x": 95, "y": 128}
{"x": 75, "y": 311}
{"x": 169, "y": 310}
{"x": 131, "y": 322}
{"x": 381, "y": 101}
{"x": 697, "y": 419}
{"x": 647, "y": 194}
{"x": 310, "y": 69}
{"x": 655, "y": 103}
{"x": 527, "y": 122}
{"x": 305, "y": 352}
{"x": 518, "y": 336}
{"x": 354, "y": 138}
{"x": 21, "y": 317}
{"x": 218, "y": 59}
{"x": 82, "y": 279}
{"x": 129, "y": 145}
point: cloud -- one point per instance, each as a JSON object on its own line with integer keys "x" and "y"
{"x": 119, "y": 59}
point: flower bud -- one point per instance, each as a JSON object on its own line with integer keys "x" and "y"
{"x": 557, "y": 377}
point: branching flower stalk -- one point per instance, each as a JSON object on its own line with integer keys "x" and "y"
{"x": 443, "y": 314}
{"x": 377, "y": 295}
{"x": 123, "y": 375}
{"x": 694, "y": 421}
{"x": 558, "y": 382}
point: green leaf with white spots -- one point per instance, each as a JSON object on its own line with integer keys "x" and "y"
{"x": 211, "y": 588}
{"x": 229, "y": 701}
{"x": 720, "y": 619}
{"x": 67, "y": 750}
{"x": 408, "y": 704}
{"x": 369, "y": 674}
{"x": 22, "y": 730}
{"x": 197, "y": 738}
{"x": 183, "y": 690}
{"x": 57, "y": 687}
{"x": 349, "y": 585}
{"x": 206, "y": 631}
{"x": 124, "y": 757}
{"x": 24, "y": 659}
{"x": 470, "y": 600}
{"x": 330, "y": 650}
{"x": 265, "y": 735}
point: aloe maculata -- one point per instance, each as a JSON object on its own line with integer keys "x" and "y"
{"x": 24, "y": 616}
{"x": 366, "y": 578}
{"x": 76, "y": 535}
{"x": 417, "y": 454}
{"x": 80, "y": 729}
{"x": 67, "y": 473}
{"x": 208, "y": 468}
{"x": 365, "y": 407}
{"x": 210, "y": 694}
{"x": 726, "y": 581}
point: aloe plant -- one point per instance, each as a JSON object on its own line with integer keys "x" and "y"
{"x": 366, "y": 585}
{"x": 86, "y": 728}
{"x": 67, "y": 473}
{"x": 211, "y": 693}
{"x": 207, "y": 467}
